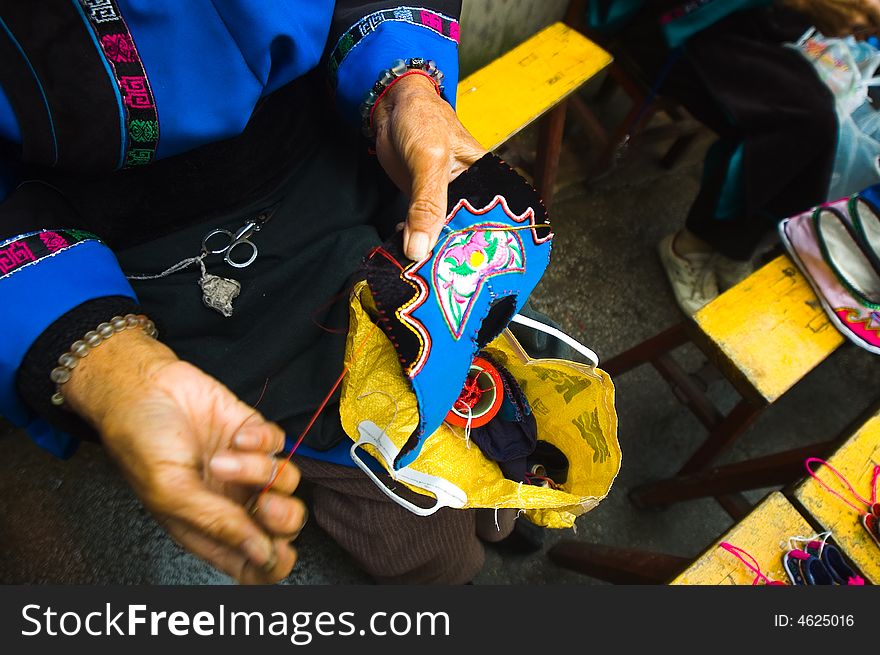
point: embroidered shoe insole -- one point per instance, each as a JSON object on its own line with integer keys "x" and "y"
{"x": 870, "y": 223}
{"x": 846, "y": 257}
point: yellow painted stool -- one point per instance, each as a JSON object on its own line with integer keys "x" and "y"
{"x": 765, "y": 334}
{"x": 855, "y": 460}
{"x": 764, "y": 534}
{"x": 531, "y": 81}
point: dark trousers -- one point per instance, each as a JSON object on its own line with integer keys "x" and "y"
{"x": 775, "y": 121}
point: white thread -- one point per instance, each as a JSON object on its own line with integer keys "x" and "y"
{"x": 497, "y": 527}
{"x": 821, "y": 537}
{"x": 467, "y": 427}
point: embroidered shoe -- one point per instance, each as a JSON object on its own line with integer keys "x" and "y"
{"x": 805, "y": 569}
{"x": 865, "y": 217}
{"x": 832, "y": 558}
{"x": 440, "y": 311}
{"x": 692, "y": 276}
{"x": 824, "y": 245}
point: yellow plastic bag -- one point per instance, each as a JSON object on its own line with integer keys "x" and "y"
{"x": 573, "y": 404}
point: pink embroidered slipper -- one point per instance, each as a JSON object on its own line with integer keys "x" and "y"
{"x": 825, "y": 247}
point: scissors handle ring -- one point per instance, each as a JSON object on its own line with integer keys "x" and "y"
{"x": 217, "y": 251}
{"x": 240, "y": 242}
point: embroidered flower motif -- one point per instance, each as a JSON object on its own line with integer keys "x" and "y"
{"x": 53, "y": 241}
{"x": 468, "y": 259}
{"x": 862, "y": 322}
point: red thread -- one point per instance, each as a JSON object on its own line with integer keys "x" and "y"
{"x": 846, "y": 483}
{"x": 262, "y": 393}
{"x": 387, "y": 255}
{"x": 317, "y": 413}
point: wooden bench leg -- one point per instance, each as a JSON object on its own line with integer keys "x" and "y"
{"x": 768, "y": 471}
{"x": 647, "y": 351}
{"x": 617, "y": 565}
{"x": 723, "y": 436}
{"x": 549, "y": 148}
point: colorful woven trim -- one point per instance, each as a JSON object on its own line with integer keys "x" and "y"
{"x": 30, "y": 248}
{"x": 117, "y": 44}
{"x": 443, "y": 25}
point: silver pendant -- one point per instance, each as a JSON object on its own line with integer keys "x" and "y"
{"x": 219, "y": 292}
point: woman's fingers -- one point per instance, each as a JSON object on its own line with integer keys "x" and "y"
{"x": 256, "y": 470}
{"x": 230, "y": 560}
{"x": 283, "y": 516}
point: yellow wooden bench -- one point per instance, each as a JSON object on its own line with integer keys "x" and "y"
{"x": 764, "y": 534}
{"x": 531, "y": 81}
{"x": 765, "y": 334}
{"x": 855, "y": 460}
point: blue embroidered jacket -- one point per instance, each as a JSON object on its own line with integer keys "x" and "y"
{"x": 163, "y": 77}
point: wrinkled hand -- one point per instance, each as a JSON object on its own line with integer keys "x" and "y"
{"x": 193, "y": 453}
{"x": 836, "y": 18}
{"x": 422, "y": 146}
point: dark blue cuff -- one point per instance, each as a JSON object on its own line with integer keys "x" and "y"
{"x": 375, "y": 52}
{"x": 33, "y": 296}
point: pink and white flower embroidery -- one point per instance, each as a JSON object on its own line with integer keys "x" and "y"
{"x": 465, "y": 261}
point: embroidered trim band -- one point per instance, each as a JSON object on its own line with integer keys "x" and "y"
{"x": 142, "y": 119}
{"x": 30, "y": 248}
{"x": 443, "y": 25}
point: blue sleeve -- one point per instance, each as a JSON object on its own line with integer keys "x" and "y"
{"x": 373, "y": 42}
{"x": 43, "y": 275}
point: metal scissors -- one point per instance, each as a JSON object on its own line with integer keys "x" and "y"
{"x": 238, "y": 239}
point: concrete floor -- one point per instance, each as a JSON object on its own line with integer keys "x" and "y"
{"x": 77, "y": 522}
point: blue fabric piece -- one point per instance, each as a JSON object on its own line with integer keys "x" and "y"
{"x": 511, "y": 268}
{"x": 377, "y": 51}
{"x": 35, "y": 296}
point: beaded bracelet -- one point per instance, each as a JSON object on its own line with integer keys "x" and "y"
{"x": 388, "y": 77}
{"x": 91, "y": 340}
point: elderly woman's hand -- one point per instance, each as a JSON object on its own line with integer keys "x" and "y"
{"x": 193, "y": 453}
{"x": 422, "y": 146}
{"x": 836, "y": 18}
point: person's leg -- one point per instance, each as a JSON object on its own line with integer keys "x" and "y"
{"x": 391, "y": 544}
{"x": 777, "y": 135}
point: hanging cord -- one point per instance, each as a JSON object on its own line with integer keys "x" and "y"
{"x": 179, "y": 266}
{"x": 751, "y": 563}
{"x": 867, "y": 503}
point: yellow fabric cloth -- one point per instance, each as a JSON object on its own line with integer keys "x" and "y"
{"x": 572, "y": 402}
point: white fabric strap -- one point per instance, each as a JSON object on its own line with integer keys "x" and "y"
{"x": 446, "y": 493}
{"x": 559, "y": 334}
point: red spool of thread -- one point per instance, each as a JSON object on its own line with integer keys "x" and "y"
{"x": 482, "y": 394}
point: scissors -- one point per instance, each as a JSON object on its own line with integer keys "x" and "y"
{"x": 238, "y": 239}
